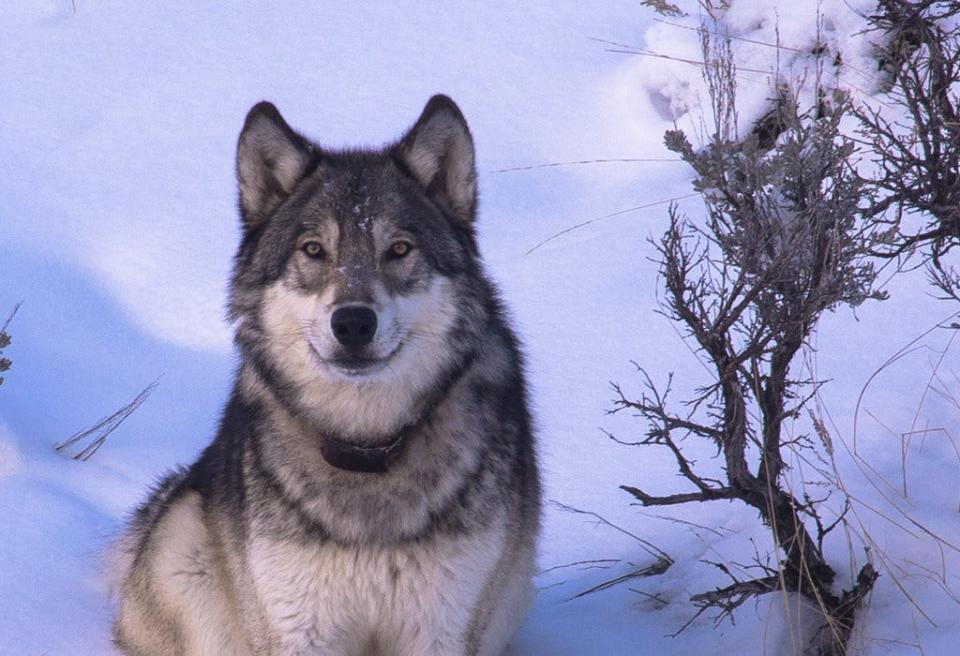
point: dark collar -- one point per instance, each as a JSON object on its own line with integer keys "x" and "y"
{"x": 356, "y": 458}
{"x": 344, "y": 455}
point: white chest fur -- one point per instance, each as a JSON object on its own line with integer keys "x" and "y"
{"x": 415, "y": 599}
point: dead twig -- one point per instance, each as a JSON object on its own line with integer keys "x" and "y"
{"x": 96, "y": 435}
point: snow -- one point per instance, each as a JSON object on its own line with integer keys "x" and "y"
{"x": 10, "y": 460}
{"x": 118, "y": 224}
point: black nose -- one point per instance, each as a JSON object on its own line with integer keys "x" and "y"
{"x": 354, "y": 325}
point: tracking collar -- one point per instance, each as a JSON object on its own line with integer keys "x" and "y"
{"x": 365, "y": 459}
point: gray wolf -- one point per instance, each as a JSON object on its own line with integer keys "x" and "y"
{"x": 373, "y": 487}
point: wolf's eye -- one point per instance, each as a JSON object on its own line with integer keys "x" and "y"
{"x": 313, "y": 249}
{"x": 399, "y": 249}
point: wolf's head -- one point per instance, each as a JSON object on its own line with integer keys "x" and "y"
{"x": 356, "y": 288}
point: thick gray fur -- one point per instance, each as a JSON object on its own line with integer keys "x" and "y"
{"x": 262, "y": 546}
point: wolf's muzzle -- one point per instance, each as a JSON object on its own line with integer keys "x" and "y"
{"x": 354, "y": 325}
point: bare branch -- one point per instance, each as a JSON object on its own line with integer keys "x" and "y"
{"x": 657, "y": 568}
{"x": 918, "y": 159}
{"x": 675, "y": 499}
{"x": 783, "y": 240}
{"x": 731, "y": 597}
{"x": 98, "y": 433}
{"x": 6, "y": 340}
{"x": 646, "y": 545}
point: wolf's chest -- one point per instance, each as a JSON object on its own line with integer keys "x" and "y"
{"x": 416, "y": 598}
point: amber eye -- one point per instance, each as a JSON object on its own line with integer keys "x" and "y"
{"x": 313, "y": 249}
{"x": 400, "y": 249}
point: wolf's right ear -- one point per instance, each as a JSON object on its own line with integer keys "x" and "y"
{"x": 438, "y": 150}
{"x": 271, "y": 160}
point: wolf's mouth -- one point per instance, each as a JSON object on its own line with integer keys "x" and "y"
{"x": 356, "y": 365}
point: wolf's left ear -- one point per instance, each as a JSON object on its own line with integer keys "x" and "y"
{"x": 438, "y": 150}
{"x": 271, "y": 160}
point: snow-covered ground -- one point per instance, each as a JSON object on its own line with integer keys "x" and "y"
{"x": 117, "y": 223}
